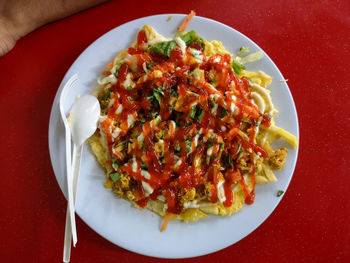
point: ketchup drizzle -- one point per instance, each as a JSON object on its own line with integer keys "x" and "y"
{"x": 163, "y": 177}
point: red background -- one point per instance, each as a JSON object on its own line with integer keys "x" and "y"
{"x": 309, "y": 42}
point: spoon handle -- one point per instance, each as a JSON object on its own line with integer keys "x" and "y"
{"x": 77, "y": 153}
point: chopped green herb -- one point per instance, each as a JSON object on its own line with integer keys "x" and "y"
{"x": 200, "y": 114}
{"x": 212, "y": 101}
{"x": 115, "y": 164}
{"x": 224, "y": 113}
{"x": 178, "y": 148}
{"x": 155, "y": 97}
{"x": 143, "y": 166}
{"x": 156, "y": 94}
{"x": 151, "y": 64}
{"x": 160, "y": 90}
{"x": 227, "y": 160}
{"x": 117, "y": 69}
{"x": 237, "y": 67}
{"x": 188, "y": 37}
{"x": 192, "y": 37}
{"x": 279, "y": 193}
{"x": 107, "y": 94}
{"x": 114, "y": 176}
{"x": 142, "y": 120}
{"x": 150, "y": 98}
{"x": 173, "y": 92}
{"x": 193, "y": 112}
{"x": 222, "y": 146}
{"x": 164, "y": 48}
{"x": 188, "y": 146}
{"x": 129, "y": 88}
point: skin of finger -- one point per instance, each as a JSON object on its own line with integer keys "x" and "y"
{"x": 20, "y": 17}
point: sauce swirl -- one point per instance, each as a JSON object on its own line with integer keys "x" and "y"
{"x": 188, "y": 121}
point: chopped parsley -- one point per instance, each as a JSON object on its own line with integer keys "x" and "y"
{"x": 115, "y": 176}
{"x": 200, "y": 114}
{"x": 151, "y": 64}
{"x": 164, "y": 48}
{"x": 173, "y": 92}
{"x": 143, "y": 166}
{"x": 155, "y": 97}
{"x": 193, "y": 112}
{"x": 227, "y": 160}
{"x": 117, "y": 69}
{"x": 177, "y": 148}
{"x": 143, "y": 120}
{"x": 224, "y": 113}
{"x": 115, "y": 164}
{"x": 188, "y": 146}
{"x": 279, "y": 193}
{"x": 107, "y": 94}
{"x": 157, "y": 93}
{"x": 192, "y": 37}
{"x": 237, "y": 67}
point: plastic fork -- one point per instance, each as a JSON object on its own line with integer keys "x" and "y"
{"x": 70, "y": 228}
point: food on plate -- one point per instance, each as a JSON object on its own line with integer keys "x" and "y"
{"x": 185, "y": 130}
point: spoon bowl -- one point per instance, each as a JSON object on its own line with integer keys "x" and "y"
{"x": 83, "y": 118}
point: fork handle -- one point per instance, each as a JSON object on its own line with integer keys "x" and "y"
{"x": 77, "y": 154}
{"x": 67, "y": 238}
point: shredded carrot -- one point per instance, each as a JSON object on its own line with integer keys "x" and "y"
{"x": 131, "y": 63}
{"x": 165, "y": 222}
{"x": 169, "y": 18}
{"x": 110, "y": 65}
{"x": 106, "y": 73}
{"x": 185, "y": 22}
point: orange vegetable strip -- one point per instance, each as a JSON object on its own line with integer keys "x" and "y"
{"x": 185, "y": 22}
{"x": 110, "y": 65}
{"x": 106, "y": 73}
{"x": 165, "y": 222}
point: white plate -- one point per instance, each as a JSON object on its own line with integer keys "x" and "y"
{"x": 137, "y": 230}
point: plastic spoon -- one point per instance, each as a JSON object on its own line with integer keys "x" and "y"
{"x": 83, "y": 119}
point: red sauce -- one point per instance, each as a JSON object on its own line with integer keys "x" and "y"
{"x": 154, "y": 195}
{"x": 164, "y": 176}
{"x": 133, "y": 51}
{"x": 266, "y": 121}
{"x": 172, "y": 201}
{"x": 250, "y": 198}
{"x": 141, "y": 39}
{"x": 142, "y": 202}
{"x": 176, "y": 56}
{"x": 214, "y": 192}
{"x": 231, "y": 177}
{"x": 196, "y": 46}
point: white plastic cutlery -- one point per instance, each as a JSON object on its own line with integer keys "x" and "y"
{"x": 83, "y": 119}
{"x": 70, "y": 223}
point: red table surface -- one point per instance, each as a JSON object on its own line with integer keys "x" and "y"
{"x": 309, "y": 42}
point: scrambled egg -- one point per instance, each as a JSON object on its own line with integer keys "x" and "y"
{"x": 196, "y": 210}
